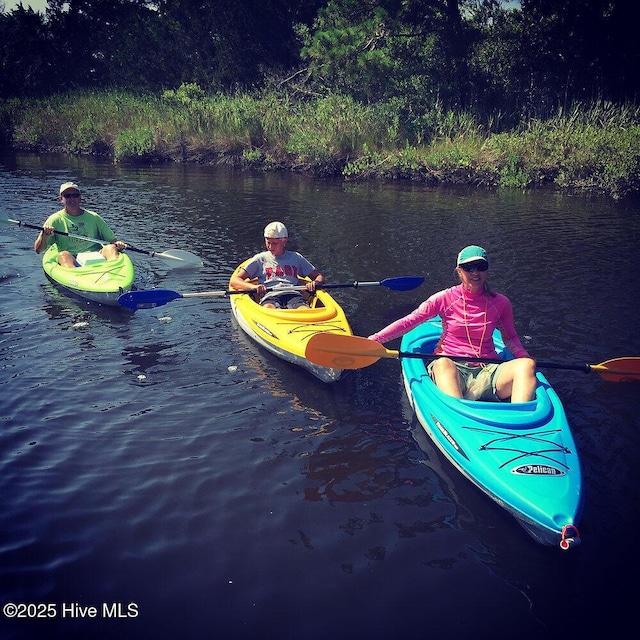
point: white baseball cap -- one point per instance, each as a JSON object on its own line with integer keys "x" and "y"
{"x": 68, "y": 185}
{"x": 276, "y": 230}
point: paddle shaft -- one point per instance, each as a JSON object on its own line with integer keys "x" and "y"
{"x": 227, "y": 292}
{"x": 632, "y": 364}
{"x": 79, "y": 237}
{"x": 151, "y": 298}
{"x": 355, "y": 352}
{"x": 585, "y": 368}
{"x": 402, "y": 283}
{"x": 174, "y": 257}
{"x": 157, "y": 297}
{"x": 222, "y": 293}
{"x": 427, "y": 356}
{"x": 397, "y": 284}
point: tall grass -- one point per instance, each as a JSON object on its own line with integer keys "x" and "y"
{"x": 593, "y": 146}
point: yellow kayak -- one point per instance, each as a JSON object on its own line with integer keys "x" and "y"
{"x": 285, "y": 332}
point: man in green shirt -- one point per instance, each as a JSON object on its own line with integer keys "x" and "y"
{"x": 74, "y": 219}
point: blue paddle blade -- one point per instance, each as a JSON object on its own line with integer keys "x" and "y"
{"x": 406, "y": 283}
{"x": 148, "y": 299}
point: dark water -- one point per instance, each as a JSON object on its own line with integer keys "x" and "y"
{"x": 181, "y": 499}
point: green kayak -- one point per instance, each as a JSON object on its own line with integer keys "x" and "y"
{"x": 100, "y": 281}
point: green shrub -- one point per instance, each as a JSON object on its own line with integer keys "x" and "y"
{"x": 134, "y": 143}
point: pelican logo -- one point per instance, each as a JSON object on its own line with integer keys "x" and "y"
{"x": 537, "y": 470}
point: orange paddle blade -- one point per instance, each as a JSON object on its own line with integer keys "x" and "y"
{"x": 345, "y": 352}
{"x": 619, "y": 369}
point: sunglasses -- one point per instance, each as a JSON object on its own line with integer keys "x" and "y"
{"x": 480, "y": 265}
{"x": 70, "y": 195}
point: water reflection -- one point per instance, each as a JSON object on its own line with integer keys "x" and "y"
{"x": 150, "y": 358}
{"x": 61, "y": 306}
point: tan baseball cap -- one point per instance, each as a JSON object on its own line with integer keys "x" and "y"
{"x": 68, "y": 185}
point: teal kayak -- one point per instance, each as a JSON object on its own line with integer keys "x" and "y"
{"x": 522, "y": 455}
{"x": 101, "y": 281}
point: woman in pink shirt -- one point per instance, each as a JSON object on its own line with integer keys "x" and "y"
{"x": 470, "y": 312}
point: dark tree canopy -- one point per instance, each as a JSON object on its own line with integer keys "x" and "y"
{"x": 464, "y": 54}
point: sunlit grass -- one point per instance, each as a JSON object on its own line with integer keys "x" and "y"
{"x": 587, "y": 146}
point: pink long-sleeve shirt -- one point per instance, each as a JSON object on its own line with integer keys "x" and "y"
{"x": 468, "y": 322}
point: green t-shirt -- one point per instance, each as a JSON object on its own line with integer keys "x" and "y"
{"x": 88, "y": 224}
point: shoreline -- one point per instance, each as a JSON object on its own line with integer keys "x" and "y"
{"x": 578, "y": 150}
{"x": 447, "y": 177}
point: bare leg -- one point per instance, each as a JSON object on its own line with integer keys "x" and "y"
{"x": 66, "y": 259}
{"x": 517, "y": 379}
{"x": 446, "y": 377}
{"x": 109, "y": 251}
